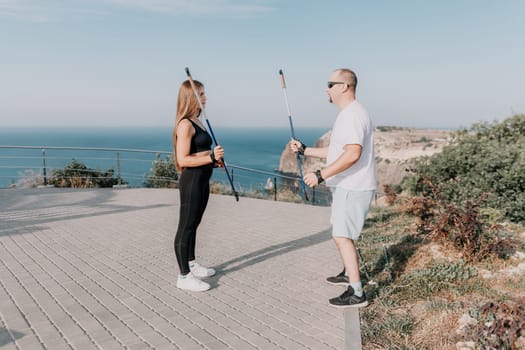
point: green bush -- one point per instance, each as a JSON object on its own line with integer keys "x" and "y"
{"x": 489, "y": 158}
{"x": 386, "y": 128}
{"x": 163, "y": 173}
{"x": 424, "y": 283}
{"x": 78, "y": 175}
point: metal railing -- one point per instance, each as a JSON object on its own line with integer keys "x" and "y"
{"x": 24, "y": 166}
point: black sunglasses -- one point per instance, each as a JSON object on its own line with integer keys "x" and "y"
{"x": 331, "y": 84}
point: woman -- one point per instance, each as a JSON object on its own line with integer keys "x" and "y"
{"x": 195, "y": 162}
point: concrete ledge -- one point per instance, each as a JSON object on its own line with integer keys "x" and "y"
{"x": 352, "y": 329}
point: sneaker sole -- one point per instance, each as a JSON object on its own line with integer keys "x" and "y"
{"x": 202, "y": 289}
{"x": 337, "y": 283}
{"x": 203, "y": 276}
{"x": 363, "y": 304}
{"x": 194, "y": 290}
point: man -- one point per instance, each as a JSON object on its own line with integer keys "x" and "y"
{"x": 351, "y": 173}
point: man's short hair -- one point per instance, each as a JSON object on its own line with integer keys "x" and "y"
{"x": 348, "y": 76}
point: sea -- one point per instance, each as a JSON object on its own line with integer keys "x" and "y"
{"x": 257, "y": 149}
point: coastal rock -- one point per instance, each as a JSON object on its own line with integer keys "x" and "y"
{"x": 465, "y": 321}
{"x": 396, "y": 149}
{"x": 288, "y": 163}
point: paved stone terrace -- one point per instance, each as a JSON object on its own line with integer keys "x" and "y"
{"x": 95, "y": 269}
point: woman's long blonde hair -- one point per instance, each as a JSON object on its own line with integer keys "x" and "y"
{"x": 187, "y": 107}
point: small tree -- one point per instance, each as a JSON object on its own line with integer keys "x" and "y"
{"x": 78, "y": 175}
{"x": 163, "y": 173}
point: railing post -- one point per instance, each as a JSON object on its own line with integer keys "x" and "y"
{"x": 44, "y": 165}
{"x": 274, "y": 188}
{"x": 352, "y": 329}
{"x": 118, "y": 168}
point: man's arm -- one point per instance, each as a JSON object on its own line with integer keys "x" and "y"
{"x": 349, "y": 157}
{"x": 319, "y": 152}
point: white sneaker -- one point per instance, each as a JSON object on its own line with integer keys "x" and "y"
{"x": 190, "y": 282}
{"x": 201, "y": 271}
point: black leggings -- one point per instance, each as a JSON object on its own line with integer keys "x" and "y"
{"x": 194, "y": 189}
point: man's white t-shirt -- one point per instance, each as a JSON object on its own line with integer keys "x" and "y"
{"x": 353, "y": 126}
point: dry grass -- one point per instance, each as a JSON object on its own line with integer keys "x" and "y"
{"x": 436, "y": 327}
{"x": 423, "y": 310}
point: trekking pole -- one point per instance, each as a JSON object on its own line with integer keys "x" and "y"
{"x": 363, "y": 263}
{"x": 203, "y": 111}
{"x": 387, "y": 262}
{"x": 299, "y": 163}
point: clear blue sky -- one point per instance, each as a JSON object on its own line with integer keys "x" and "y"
{"x": 444, "y": 63}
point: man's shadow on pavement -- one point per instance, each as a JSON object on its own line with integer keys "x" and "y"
{"x": 8, "y": 336}
{"x": 260, "y": 255}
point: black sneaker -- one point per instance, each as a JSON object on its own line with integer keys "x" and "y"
{"x": 340, "y": 279}
{"x": 349, "y": 299}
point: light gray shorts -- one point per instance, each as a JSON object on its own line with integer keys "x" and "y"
{"x": 349, "y": 211}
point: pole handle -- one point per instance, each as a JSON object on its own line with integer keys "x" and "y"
{"x": 283, "y": 82}
{"x": 191, "y": 80}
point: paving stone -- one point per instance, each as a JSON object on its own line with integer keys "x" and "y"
{"x": 5, "y": 337}
{"x": 29, "y": 342}
{"x": 139, "y": 346}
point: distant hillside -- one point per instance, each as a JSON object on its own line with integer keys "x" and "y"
{"x": 396, "y": 148}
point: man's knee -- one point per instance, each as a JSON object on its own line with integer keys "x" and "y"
{"x": 342, "y": 241}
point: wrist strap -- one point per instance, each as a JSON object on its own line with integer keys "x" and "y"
{"x": 302, "y": 149}
{"x": 212, "y": 156}
{"x": 319, "y": 176}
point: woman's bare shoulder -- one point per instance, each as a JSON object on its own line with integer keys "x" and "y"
{"x": 185, "y": 127}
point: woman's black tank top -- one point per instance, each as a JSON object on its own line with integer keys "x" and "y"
{"x": 201, "y": 140}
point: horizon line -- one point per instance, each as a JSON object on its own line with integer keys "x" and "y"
{"x": 223, "y": 126}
